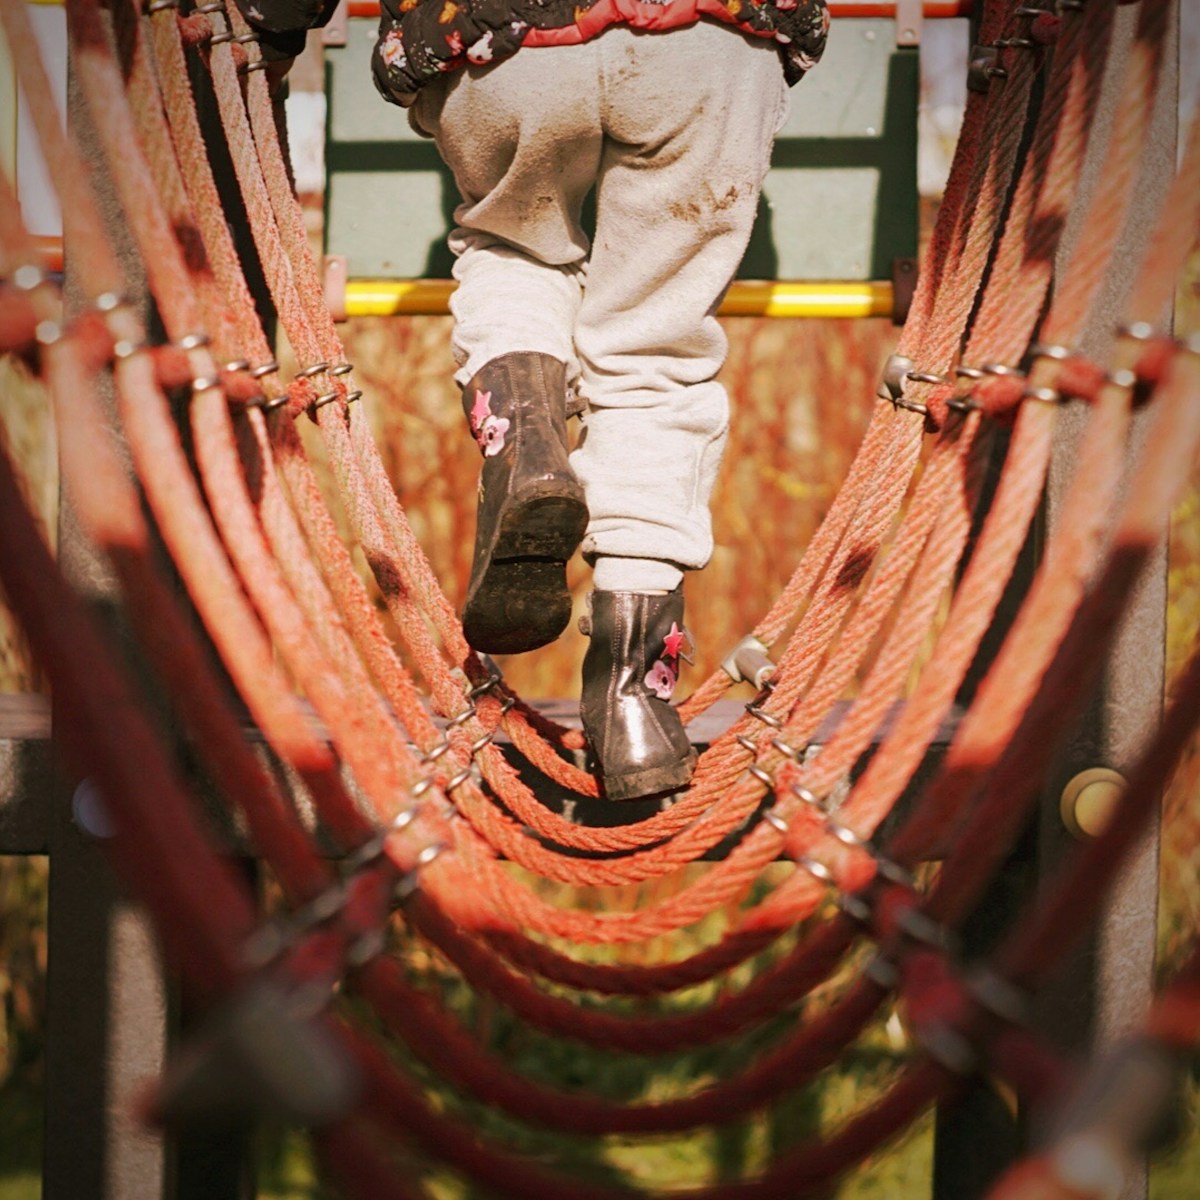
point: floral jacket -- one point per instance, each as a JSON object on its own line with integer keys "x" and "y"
{"x": 419, "y": 39}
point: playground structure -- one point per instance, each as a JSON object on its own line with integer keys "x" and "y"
{"x": 420, "y": 811}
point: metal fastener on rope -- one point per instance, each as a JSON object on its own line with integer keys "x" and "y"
{"x": 28, "y": 277}
{"x": 1056, "y": 351}
{"x": 883, "y": 971}
{"x": 846, "y": 835}
{"x": 228, "y": 35}
{"x": 818, "y": 870}
{"x": 787, "y": 750}
{"x": 773, "y": 819}
{"x": 1122, "y": 378}
{"x": 204, "y": 383}
{"x": 857, "y": 909}
{"x": 809, "y": 798}
{"x": 356, "y": 394}
{"x": 480, "y": 689}
{"x": 763, "y": 777}
{"x": 315, "y": 369}
{"x": 893, "y": 872}
{"x": 1139, "y": 331}
{"x": 48, "y": 332}
{"x": 965, "y": 372}
{"x": 749, "y": 663}
{"x": 161, "y": 5}
{"x": 747, "y": 743}
{"x": 215, "y": 7}
{"x": 462, "y": 718}
{"x": 419, "y": 789}
{"x": 267, "y": 368}
{"x": 459, "y": 779}
{"x": 108, "y": 302}
{"x": 365, "y": 854}
{"x": 237, "y": 364}
{"x": 431, "y": 756}
{"x": 124, "y": 348}
{"x": 193, "y": 341}
{"x": 755, "y": 708}
{"x": 324, "y": 399}
{"x": 1015, "y": 43}
{"x": 479, "y": 743}
{"x": 924, "y": 929}
{"x": 963, "y": 404}
{"x": 1002, "y": 370}
{"x": 927, "y": 377}
{"x": 403, "y": 819}
{"x": 949, "y": 1049}
{"x": 999, "y": 996}
{"x": 982, "y": 68}
{"x": 259, "y": 64}
{"x": 896, "y": 371}
{"x": 1047, "y": 395}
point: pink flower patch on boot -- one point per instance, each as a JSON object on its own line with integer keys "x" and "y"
{"x": 664, "y": 674}
{"x": 489, "y": 430}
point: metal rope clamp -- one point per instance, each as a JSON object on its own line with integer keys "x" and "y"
{"x": 749, "y": 663}
{"x": 896, "y": 372}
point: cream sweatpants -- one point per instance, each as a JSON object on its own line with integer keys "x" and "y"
{"x": 674, "y": 130}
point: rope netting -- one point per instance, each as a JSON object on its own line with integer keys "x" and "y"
{"x": 788, "y": 911}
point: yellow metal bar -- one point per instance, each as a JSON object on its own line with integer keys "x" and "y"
{"x": 746, "y": 298}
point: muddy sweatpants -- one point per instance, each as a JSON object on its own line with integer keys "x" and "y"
{"x": 674, "y": 130}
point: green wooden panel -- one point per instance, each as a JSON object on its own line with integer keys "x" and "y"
{"x": 840, "y": 200}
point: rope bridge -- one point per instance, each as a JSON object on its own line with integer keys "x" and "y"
{"x": 440, "y": 846}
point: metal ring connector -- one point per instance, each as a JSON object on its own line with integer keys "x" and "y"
{"x": 193, "y": 341}
{"x": 787, "y": 750}
{"x": 259, "y": 64}
{"x": 1047, "y": 395}
{"x": 818, "y": 870}
{"x": 1122, "y": 378}
{"x": 419, "y": 788}
{"x": 459, "y": 779}
{"x": 27, "y": 277}
{"x": 1139, "y": 331}
{"x": 215, "y": 7}
{"x": 479, "y": 743}
{"x": 267, "y": 368}
{"x": 309, "y": 372}
{"x": 747, "y": 743}
{"x": 1002, "y": 370}
{"x": 48, "y": 332}
{"x": 763, "y": 777}
{"x": 1054, "y": 350}
{"x": 776, "y": 822}
{"x": 124, "y": 348}
{"x": 927, "y": 377}
{"x": 756, "y": 710}
{"x": 846, "y": 835}
{"x": 235, "y": 365}
{"x": 161, "y": 5}
{"x": 204, "y": 383}
{"x": 431, "y": 756}
{"x": 356, "y": 394}
{"x": 965, "y": 372}
{"x": 324, "y": 399}
{"x": 479, "y": 689}
{"x": 809, "y": 798}
{"x": 462, "y": 718}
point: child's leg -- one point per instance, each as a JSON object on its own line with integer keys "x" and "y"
{"x": 690, "y": 119}
{"x": 523, "y": 140}
{"x": 523, "y": 160}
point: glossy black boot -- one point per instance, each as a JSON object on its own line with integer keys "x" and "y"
{"x": 531, "y": 513}
{"x": 629, "y": 672}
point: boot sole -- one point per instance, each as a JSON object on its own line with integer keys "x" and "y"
{"x": 521, "y": 601}
{"x": 652, "y": 781}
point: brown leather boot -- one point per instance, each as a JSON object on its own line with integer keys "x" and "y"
{"x": 531, "y": 513}
{"x": 629, "y": 671}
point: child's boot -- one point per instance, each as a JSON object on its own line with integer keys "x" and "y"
{"x": 629, "y": 672}
{"x": 531, "y": 513}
